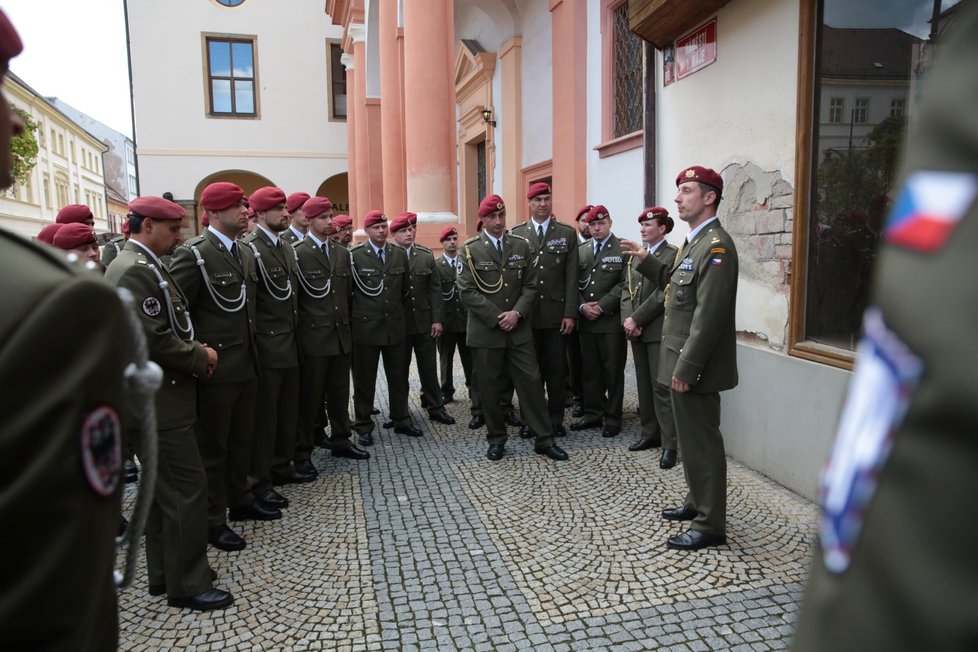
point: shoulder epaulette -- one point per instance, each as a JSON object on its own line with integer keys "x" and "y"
{"x": 474, "y": 238}
{"x": 517, "y": 236}
{"x": 397, "y": 246}
{"x": 422, "y": 247}
{"x": 197, "y": 239}
{"x": 359, "y": 245}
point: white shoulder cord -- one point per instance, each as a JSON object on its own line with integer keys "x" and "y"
{"x": 185, "y": 333}
{"x": 233, "y": 305}
{"x": 278, "y": 293}
{"x": 362, "y": 286}
{"x": 309, "y": 288}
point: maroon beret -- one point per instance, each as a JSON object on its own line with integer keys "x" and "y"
{"x": 342, "y": 222}
{"x": 538, "y": 188}
{"x": 156, "y": 208}
{"x": 74, "y": 213}
{"x": 46, "y": 234}
{"x": 221, "y": 195}
{"x": 373, "y": 217}
{"x": 295, "y": 201}
{"x": 10, "y": 44}
{"x": 267, "y": 198}
{"x": 490, "y": 205}
{"x": 447, "y": 232}
{"x": 74, "y": 235}
{"x": 316, "y": 206}
{"x": 403, "y": 221}
{"x": 597, "y": 212}
{"x": 651, "y": 213}
{"x": 125, "y": 227}
{"x": 479, "y": 225}
{"x": 582, "y": 212}
{"x": 703, "y": 175}
{"x": 204, "y": 221}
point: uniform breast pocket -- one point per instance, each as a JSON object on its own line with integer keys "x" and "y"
{"x": 221, "y": 279}
{"x": 395, "y": 270}
{"x": 519, "y": 263}
{"x": 682, "y": 293}
{"x": 611, "y": 268}
{"x": 275, "y": 273}
{"x": 557, "y": 250}
{"x": 423, "y": 272}
{"x": 313, "y": 274}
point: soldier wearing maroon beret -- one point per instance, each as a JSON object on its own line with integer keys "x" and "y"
{"x": 219, "y": 277}
{"x": 342, "y": 230}
{"x": 60, "y": 437}
{"x": 453, "y": 326}
{"x": 298, "y": 222}
{"x": 46, "y": 235}
{"x": 698, "y": 356}
{"x": 78, "y": 238}
{"x": 574, "y": 362}
{"x": 75, "y": 213}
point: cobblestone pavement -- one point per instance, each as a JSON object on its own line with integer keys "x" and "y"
{"x": 429, "y": 546}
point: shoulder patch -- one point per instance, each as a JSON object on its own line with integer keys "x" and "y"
{"x": 101, "y": 450}
{"x": 151, "y": 306}
{"x": 718, "y": 250}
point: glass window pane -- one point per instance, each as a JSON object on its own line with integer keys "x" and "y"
{"x": 220, "y": 54}
{"x": 244, "y": 97}
{"x": 221, "y": 95}
{"x": 241, "y": 56}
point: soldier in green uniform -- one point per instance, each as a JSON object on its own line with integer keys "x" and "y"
{"x": 554, "y": 317}
{"x": 575, "y": 374}
{"x": 276, "y": 320}
{"x": 453, "y": 327}
{"x": 642, "y": 314}
{"x": 342, "y": 230}
{"x": 896, "y": 568}
{"x": 601, "y": 270}
{"x": 176, "y": 532}
{"x": 698, "y": 355}
{"x": 424, "y": 313}
{"x": 114, "y": 245}
{"x": 380, "y": 279}
{"x": 219, "y": 277}
{"x": 325, "y": 338}
{"x": 60, "y": 437}
{"x": 298, "y": 222}
{"x": 498, "y": 287}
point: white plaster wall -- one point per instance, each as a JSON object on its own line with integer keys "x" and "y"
{"x": 537, "y": 83}
{"x": 169, "y": 88}
{"x": 488, "y": 22}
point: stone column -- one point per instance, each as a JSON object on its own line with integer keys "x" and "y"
{"x": 569, "y": 28}
{"x": 351, "y": 141}
{"x": 391, "y": 114}
{"x": 358, "y": 35}
{"x": 511, "y": 109}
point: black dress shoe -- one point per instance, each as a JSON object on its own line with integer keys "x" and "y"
{"x": 554, "y": 452}
{"x": 694, "y": 540}
{"x": 306, "y": 468}
{"x": 610, "y": 431}
{"x": 441, "y": 417}
{"x": 365, "y": 439}
{"x": 525, "y": 432}
{"x": 476, "y": 422}
{"x": 206, "y": 601}
{"x": 388, "y": 424}
{"x": 511, "y": 420}
{"x": 578, "y": 411}
{"x": 351, "y": 452}
{"x": 586, "y": 424}
{"x": 321, "y": 440}
{"x": 409, "y": 430}
{"x": 130, "y": 472}
{"x": 272, "y": 499}
{"x": 495, "y": 452}
{"x": 668, "y": 459}
{"x": 679, "y": 514}
{"x": 645, "y": 443}
{"x": 560, "y": 431}
{"x": 253, "y": 510}
{"x": 374, "y": 411}
{"x": 224, "y": 538}
{"x": 291, "y": 476}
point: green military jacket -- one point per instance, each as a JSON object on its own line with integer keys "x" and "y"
{"x": 379, "y": 293}
{"x": 289, "y": 236}
{"x": 451, "y": 298}
{"x": 491, "y": 284}
{"x": 325, "y": 293}
{"x": 555, "y": 259}
{"x": 221, "y": 297}
{"x": 423, "y": 305}
{"x": 169, "y": 334}
{"x": 111, "y": 249}
{"x": 642, "y": 300}
{"x": 601, "y": 280}
{"x": 276, "y": 309}
{"x": 699, "y": 335}
{"x": 62, "y": 339}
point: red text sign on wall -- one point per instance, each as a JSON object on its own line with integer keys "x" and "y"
{"x": 696, "y": 50}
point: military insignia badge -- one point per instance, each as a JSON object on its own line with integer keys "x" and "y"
{"x": 690, "y": 173}
{"x": 151, "y": 306}
{"x": 885, "y": 379}
{"x": 101, "y": 450}
{"x": 928, "y": 209}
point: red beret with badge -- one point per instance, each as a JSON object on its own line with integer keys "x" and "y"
{"x": 652, "y": 212}
{"x": 266, "y": 198}
{"x": 221, "y": 195}
{"x": 73, "y": 236}
{"x": 156, "y": 208}
{"x": 10, "y": 43}
{"x": 403, "y": 221}
{"x": 491, "y": 204}
{"x": 295, "y": 201}
{"x": 583, "y": 211}
{"x": 538, "y": 188}
{"x": 46, "y": 235}
{"x": 74, "y": 213}
{"x": 702, "y": 175}
{"x": 597, "y": 212}
{"x": 342, "y": 222}
{"x": 316, "y": 206}
{"x": 447, "y": 232}
{"x": 373, "y": 218}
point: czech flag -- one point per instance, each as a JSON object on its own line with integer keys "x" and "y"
{"x": 929, "y": 208}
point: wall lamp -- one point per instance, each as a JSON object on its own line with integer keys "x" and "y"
{"x": 487, "y": 116}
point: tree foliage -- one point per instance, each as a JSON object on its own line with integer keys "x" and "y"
{"x": 24, "y": 146}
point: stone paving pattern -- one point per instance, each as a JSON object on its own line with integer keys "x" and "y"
{"x": 429, "y": 546}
